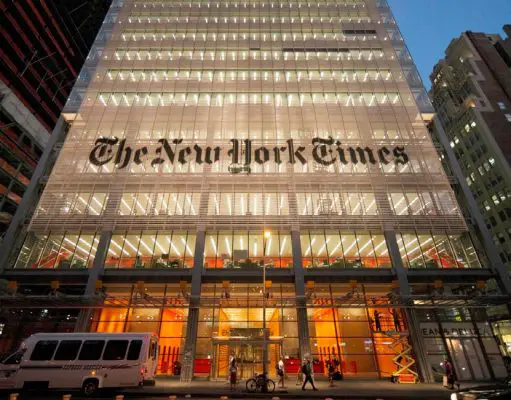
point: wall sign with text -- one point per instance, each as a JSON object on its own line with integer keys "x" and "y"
{"x": 242, "y": 153}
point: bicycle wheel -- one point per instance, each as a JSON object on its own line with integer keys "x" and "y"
{"x": 270, "y": 385}
{"x": 251, "y": 386}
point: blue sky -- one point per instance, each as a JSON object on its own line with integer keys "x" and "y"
{"x": 428, "y": 26}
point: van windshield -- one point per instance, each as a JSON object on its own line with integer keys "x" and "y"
{"x": 14, "y": 358}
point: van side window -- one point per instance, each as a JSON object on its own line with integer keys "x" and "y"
{"x": 14, "y": 358}
{"x": 91, "y": 350}
{"x": 43, "y": 350}
{"x": 154, "y": 348}
{"x": 115, "y": 350}
{"x": 68, "y": 350}
{"x": 134, "y": 350}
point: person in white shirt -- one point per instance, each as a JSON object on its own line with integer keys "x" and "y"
{"x": 280, "y": 372}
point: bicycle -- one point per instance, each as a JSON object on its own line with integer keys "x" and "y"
{"x": 259, "y": 382}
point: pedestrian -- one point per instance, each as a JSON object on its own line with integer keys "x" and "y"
{"x": 233, "y": 373}
{"x": 450, "y": 374}
{"x": 377, "y": 321}
{"x": 280, "y": 372}
{"x": 299, "y": 375}
{"x": 231, "y": 357}
{"x": 307, "y": 371}
{"x": 507, "y": 363}
{"x": 397, "y": 322}
{"x": 331, "y": 372}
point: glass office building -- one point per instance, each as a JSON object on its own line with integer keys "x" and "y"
{"x": 255, "y": 179}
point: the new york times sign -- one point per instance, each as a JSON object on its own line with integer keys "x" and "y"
{"x": 242, "y": 154}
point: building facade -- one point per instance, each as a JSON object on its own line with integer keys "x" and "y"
{"x": 255, "y": 179}
{"x": 44, "y": 46}
{"x": 471, "y": 90}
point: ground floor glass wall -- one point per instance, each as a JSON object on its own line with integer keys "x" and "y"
{"x": 168, "y": 321}
{"x": 466, "y": 338}
{"x": 231, "y": 325}
{"x": 362, "y": 336}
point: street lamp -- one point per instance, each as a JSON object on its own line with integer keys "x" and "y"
{"x": 267, "y": 236}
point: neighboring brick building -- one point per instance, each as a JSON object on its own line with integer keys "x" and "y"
{"x": 472, "y": 94}
{"x": 44, "y": 45}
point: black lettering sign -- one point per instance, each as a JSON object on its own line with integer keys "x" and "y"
{"x": 102, "y": 153}
{"x": 322, "y": 151}
{"x": 325, "y": 151}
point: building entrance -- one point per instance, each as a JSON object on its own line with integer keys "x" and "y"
{"x": 468, "y": 359}
{"x": 249, "y": 355}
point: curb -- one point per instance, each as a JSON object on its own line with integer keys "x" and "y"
{"x": 269, "y": 396}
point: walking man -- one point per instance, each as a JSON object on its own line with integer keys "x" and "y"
{"x": 331, "y": 372}
{"x": 377, "y": 321}
{"x": 307, "y": 371}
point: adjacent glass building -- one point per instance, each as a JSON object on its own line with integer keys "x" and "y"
{"x": 255, "y": 178}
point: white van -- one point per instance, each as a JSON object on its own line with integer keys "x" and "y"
{"x": 89, "y": 361}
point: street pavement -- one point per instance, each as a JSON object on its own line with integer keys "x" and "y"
{"x": 199, "y": 390}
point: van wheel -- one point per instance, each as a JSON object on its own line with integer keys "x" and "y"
{"x": 90, "y": 387}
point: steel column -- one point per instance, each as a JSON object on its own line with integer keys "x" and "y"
{"x": 193, "y": 312}
{"x": 98, "y": 266}
{"x": 301, "y": 303}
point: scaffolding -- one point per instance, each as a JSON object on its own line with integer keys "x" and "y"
{"x": 60, "y": 300}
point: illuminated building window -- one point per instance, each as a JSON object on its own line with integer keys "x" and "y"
{"x": 159, "y": 204}
{"x": 73, "y": 204}
{"x": 225, "y": 99}
{"x": 248, "y": 204}
{"x": 336, "y": 204}
{"x": 169, "y": 323}
{"x": 173, "y": 249}
{"x": 331, "y": 249}
{"x": 58, "y": 250}
{"x": 426, "y": 250}
{"x": 248, "y": 250}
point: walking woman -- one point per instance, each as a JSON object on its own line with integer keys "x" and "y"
{"x": 233, "y": 371}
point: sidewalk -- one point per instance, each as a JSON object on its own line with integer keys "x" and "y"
{"x": 347, "y": 389}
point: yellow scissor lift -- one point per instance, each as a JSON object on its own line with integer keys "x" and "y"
{"x": 403, "y": 358}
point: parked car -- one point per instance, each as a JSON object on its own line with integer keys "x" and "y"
{"x": 500, "y": 390}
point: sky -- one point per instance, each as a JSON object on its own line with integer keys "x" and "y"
{"x": 428, "y": 26}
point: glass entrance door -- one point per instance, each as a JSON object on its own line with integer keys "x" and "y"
{"x": 468, "y": 359}
{"x": 249, "y": 358}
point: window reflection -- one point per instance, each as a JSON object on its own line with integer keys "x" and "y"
{"x": 58, "y": 250}
{"x": 426, "y": 250}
